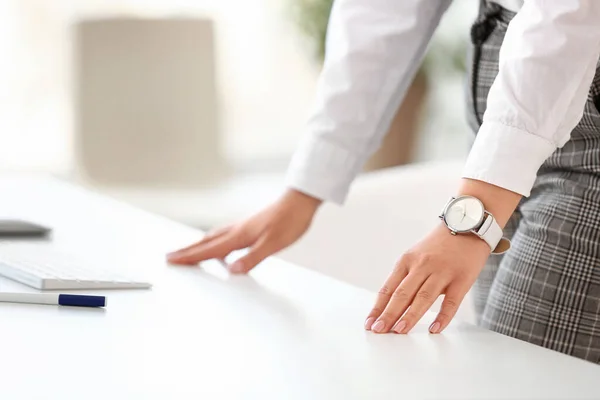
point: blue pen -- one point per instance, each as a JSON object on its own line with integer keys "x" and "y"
{"x": 76, "y": 300}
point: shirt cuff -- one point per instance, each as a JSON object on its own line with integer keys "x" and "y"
{"x": 323, "y": 170}
{"x": 506, "y": 156}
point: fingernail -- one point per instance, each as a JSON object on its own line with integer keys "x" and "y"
{"x": 236, "y": 267}
{"x": 378, "y": 326}
{"x": 369, "y": 322}
{"x": 435, "y": 327}
{"x": 400, "y": 326}
{"x": 172, "y": 255}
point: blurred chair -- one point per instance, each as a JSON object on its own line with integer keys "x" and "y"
{"x": 145, "y": 103}
{"x": 386, "y": 213}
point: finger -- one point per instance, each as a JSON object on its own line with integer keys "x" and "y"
{"x": 452, "y": 299}
{"x": 399, "y": 302}
{"x": 424, "y": 299}
{"x": 383, "y": 297}
{"x": 218, "y": 248}
{"x": 207, "y": 238}
{"x": 214, "y": 234}
{"x": 261, "y": 250}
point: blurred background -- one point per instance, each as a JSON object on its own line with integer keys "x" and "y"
{"x": 192, "y": 108}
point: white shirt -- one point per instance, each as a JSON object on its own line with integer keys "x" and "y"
{"x": 374, "y": 47}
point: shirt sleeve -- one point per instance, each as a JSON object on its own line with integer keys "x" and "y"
{"x": 547, "y": 64}
{"x": 374, "y": 48}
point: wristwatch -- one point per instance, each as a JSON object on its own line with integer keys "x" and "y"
{"x": 466, "y": 214}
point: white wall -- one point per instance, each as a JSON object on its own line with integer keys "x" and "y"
{"x": 266, "y": 80}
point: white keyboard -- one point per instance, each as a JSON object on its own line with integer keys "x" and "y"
{"x": 43, "y": 267}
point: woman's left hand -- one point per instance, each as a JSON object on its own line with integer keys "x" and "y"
{"x": 441, "y": 264}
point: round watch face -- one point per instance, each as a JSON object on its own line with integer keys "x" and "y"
{"x": 464, "y": 214}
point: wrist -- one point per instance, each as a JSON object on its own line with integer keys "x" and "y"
{"x": 499, "y": 202}
{"x": 300, "y": 199}
{"x": 469, "y": 214}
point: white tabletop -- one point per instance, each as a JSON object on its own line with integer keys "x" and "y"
{"x": 282, "y": 333}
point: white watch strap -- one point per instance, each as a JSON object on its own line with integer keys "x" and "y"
{"x": 491, "y": 232}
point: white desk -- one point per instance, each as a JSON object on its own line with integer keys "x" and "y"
{"x": 282, "y": 333}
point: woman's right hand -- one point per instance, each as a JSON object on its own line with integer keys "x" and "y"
{"x": 267, "y": 232}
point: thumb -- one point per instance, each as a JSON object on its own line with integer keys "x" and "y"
{"x": 258, "y": 252}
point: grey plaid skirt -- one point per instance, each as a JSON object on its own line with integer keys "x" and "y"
{"x": 546, "y": 288}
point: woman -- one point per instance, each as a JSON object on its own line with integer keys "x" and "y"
{"x": 533, "y": 171}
